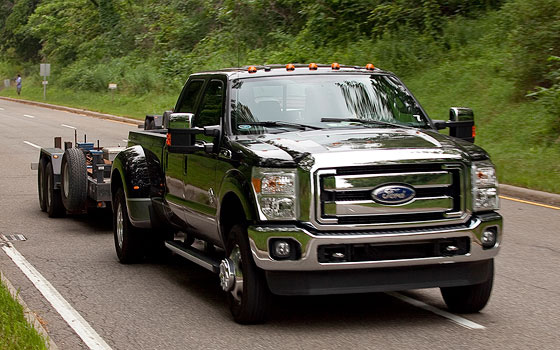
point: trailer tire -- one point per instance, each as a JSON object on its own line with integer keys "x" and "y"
{"x": 73, "y": 180}
{"x": 129, "y": 240}
{"x": 54, "y": 205}
{"x": 42, "y": 186}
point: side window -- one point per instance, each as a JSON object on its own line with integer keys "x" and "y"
{"x": 211, "y": 108}
{"x": 192, "y": 91}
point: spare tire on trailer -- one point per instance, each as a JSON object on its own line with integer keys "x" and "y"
{"x": 73, "y": 181}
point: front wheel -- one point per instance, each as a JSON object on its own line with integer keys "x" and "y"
{"x": 249, "y": 295}
{"x": 129, "y": 240}
{"x": 469, "y": 299}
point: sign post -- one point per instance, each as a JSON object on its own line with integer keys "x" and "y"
{"x": 45, "y": 71}
{"x": 112, "y": 87}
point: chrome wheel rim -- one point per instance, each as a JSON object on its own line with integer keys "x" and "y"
{"x": 120, "y": 226}
{"x": 66, "y": 181}
{"x": 237, "y": 291}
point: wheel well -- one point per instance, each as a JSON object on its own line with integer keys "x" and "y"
{"x": 116, "y": 182}
{"x": 231, "y": 213}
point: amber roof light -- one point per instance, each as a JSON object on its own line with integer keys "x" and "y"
{"x": 313, "y": 66}
{"x": 370, "y": 66}
{"x": 290, "y": 67}
{"x": 252, "y": 69}
{"x": 335, "y": 66}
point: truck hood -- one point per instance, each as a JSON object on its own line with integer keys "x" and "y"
{"x": 365, "y": 146}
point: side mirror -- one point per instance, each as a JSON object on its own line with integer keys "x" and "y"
{"x": 181, "y": 136}
{"x": 460, "y": 124}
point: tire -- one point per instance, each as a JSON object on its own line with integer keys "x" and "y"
{"x": 41, "y": 186}
{"x": 129, "y": 240}
{"x": 73, "y": 181}
{"x": 469, "y": 299}
{"x": 53, "y": 201}
{"x": 252, "y": 305}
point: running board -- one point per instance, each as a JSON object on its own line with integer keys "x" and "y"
{"x": 194, "y": 255}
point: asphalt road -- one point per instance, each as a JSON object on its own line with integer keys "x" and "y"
{"x": 174, "y": 304}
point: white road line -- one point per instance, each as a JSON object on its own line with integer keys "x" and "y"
{"x": 125, "y": 140}
{"x": 457, "y": 319}
{"x": 67, "y": 126}
{"x": 32, "y": 144}
{"x": 68, "y": 313}
{"x": 1, "y": 109}
{"x": 29, "y": 116}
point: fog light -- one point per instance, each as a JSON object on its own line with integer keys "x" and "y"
{"x": 282, "y": 249}
{"x": 489, "y": 237}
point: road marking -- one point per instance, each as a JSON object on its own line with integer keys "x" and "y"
{"x": 68, "y": 313}
{"x": 67, "y": 126}
{"x": 1, "y": 109}
{"x": 32, "y": 144}
{"x": 125, "y": 140}
{"x": 528, "y": 202}
{"x": 457, "y": 319}
{"x": 29, "y": 116}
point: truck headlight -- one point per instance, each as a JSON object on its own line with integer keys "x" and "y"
{"x": 484, "y": 186}
{"x": 275, "y": 190}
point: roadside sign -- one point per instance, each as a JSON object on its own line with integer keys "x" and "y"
{"x": 45, "y": 82}
{"x": 7, "y": 82}
{"x": 45, "y": 69}
{"x": 112, "y": 86}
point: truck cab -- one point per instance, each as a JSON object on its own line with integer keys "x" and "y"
{"x": 312, "y": 179}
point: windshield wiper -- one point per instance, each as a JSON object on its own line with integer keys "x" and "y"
{"x": 363, "y": 121}
{"x": 282, "y": 124}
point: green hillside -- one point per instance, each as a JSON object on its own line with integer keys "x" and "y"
{"x": 498, "y": 57}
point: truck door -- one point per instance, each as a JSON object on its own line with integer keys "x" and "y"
{"x": 175, "y": 164}
{"x": 200, "y": 189}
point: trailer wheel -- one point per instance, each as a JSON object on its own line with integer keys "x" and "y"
{"x": 74, "y": 180}
{"x": 41, "y": 186}
{"x": 53, "y": 200}
{"x": 249, "y": 296}
{"x": 129, "y": 240}
{"x": 469, "y": 299}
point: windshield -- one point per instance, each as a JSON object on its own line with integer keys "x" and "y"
{"x": 279, "y": 104}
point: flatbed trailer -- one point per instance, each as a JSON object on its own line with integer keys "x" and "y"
{"x": 73, "y": 178}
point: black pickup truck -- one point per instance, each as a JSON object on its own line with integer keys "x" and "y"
{"x": 311, "y": 179}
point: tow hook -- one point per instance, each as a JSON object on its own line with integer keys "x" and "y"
{"x": 227, "y": 274}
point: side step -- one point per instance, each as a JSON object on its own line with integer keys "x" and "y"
{"x": 194, "y": 255}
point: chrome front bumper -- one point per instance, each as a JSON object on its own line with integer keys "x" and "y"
{"x": 260, "y": 236}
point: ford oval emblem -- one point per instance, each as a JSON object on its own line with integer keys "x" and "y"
{"x": 393, "y": 194}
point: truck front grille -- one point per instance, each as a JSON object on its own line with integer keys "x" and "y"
{"x": 345, "y": 194}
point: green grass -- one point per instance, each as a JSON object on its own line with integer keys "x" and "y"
{"x": 120, "y": 104}
{"x": 515, "y": 133}
{"x": 15, "y": 332}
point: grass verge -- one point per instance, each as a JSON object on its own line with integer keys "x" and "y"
{"x": 15, "y": 332}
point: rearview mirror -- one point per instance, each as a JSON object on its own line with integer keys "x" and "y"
{"x": 460, "y": 123}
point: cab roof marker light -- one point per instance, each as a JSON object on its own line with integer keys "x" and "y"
{"x": 370, "y": 66}
{"x": 313, "y": 66}
{"x": 252, "y": 69}
{"x": 290, "y": 67}
{"x": 335, "y": 66}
